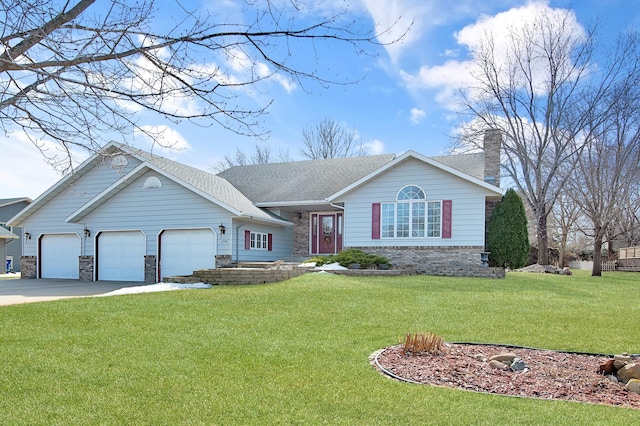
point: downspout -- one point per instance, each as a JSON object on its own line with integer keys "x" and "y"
{"x": 238, "y": 238}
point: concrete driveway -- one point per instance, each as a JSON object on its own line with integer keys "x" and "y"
{"x": 15, "y": 291}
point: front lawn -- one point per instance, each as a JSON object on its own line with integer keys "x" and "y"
{"x": 297, "y": 352}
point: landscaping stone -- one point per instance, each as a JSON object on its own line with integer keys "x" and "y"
{"x": 629, "y": 371}
{"x": 506, "y": 358}
{"x": 518, "y": 364}
{"x": 618, "y": 364}
{"x": 607, "y": 367}
{"x": 633, "y": 385}
{"x": 498, "y": 365}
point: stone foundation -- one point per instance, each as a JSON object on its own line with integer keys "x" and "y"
{"x": 460, "y": 261}
{"x": 420, "y": 257}
{"x": 150, "y": 269}
{"x": 86, "y": 268}
{"x": 223, "y": 261}
{"x": 28, "y": 267}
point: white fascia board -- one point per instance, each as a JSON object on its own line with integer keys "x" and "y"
{"x": 55, "y": 189}
{"x": 16, "y": 201}
{"x": 412, "y": 154}
{"x": 244, "y": 217}
{"x": 291, "y": 203}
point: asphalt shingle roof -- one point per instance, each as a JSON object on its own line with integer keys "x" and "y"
{"x": 208, "y": 183}
{"x": 301, "y": 180}
{"x": 471, "y": 164}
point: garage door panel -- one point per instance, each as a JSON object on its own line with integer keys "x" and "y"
{"x": 184, "y": 251}
{"x": 121, "y": 256}
{"x": 59, "y": 256}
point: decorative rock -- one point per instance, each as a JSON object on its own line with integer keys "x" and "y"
{"x": 506, "y": 358}
{"x": 518, "y": 365}
{"x": 622, "y": 357}
{"x": 633, "y": 385}
{"x": 498, "y": 365}
{"x": 480, "y": 357}
{"x": 607, "y": 368}
{"x": 612, "y": 378}
{"x": 629, "y": 371}
{"x": 618, "y": 364}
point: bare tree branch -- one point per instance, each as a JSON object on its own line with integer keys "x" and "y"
{"x": 78, "y": 72}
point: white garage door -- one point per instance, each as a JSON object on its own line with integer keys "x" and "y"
{"x": 121, "y": 256}
{"x": 59, "y": 256}
{"x": 184, "y": 251}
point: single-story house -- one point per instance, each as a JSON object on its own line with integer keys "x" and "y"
{"x": 11, "y": 237}
{"x": 127, "y": 214}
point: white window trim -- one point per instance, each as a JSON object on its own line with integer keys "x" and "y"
{"x": 258, "y": 241}
{"x": 410, "y": 202}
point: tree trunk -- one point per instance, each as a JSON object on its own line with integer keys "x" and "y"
{"x": 543, "y": 245}
{"x": 597, "y": 252}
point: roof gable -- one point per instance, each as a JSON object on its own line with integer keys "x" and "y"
{"x": 412, "y": 154}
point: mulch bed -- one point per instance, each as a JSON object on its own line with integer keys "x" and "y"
{"x": 550, "y": 374}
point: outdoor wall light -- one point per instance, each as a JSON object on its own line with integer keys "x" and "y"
{"x": 222, "y": 229}
{"x": 87, "y": 233}
{"x": 27, "y": 236}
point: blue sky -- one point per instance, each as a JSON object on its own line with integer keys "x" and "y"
{"x": 402, "y": 102}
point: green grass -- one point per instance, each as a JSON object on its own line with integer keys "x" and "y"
{"x": 296, "y": 352}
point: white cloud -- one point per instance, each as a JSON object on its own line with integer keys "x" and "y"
{"x": 417, "y": 18}
{"x": 417, "y": 115}
{"x": 25, "y": 171}
{"x": 455, "y": 75}
{"x": 374, "y": 147}
{"x": 167, "y": 140}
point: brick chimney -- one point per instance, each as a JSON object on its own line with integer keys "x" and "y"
{"x": 492, "y": 144}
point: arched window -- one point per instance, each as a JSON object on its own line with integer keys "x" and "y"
{"x": 411, "y": 216}
{"x": 411, "y": 192}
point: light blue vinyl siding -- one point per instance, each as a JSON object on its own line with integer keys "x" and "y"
{"x": 152, "y": 210}
{"x": 467, "y": 213}
{"x": 282, "y": 243}
{"x": 50, "y": 216}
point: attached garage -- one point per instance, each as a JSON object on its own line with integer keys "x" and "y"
{"x": 121, "y": 256}
{"x": 59, "y": 256}
{"x": 183, "y": 251}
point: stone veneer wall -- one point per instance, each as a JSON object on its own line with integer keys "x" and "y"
{"x": 223, "y": 261}
{"x": 459, "y": 261}
{"x": 301, "y": 235}
{"x": 86, "y": 268}
{"x": 417, "y": 257}
{"x": 150, "y": 269}
{"x": 28, "y": 267}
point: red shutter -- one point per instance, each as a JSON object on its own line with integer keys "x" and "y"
{"x": 375, "y": 221}
{"x": 270, "y": 242}
{"x": 247, "y": 240}
{"x": 446, "y": 218}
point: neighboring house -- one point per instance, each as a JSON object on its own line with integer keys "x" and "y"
{"x": 130, "y": 215}
{"x": 11, "y": 237}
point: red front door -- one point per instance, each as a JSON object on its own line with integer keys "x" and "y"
{"x": 326, "y": 233}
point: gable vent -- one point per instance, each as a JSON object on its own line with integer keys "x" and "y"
{"x": 152, "y": 182}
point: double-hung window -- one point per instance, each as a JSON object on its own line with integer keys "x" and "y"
{"x": 411, "y": 215}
